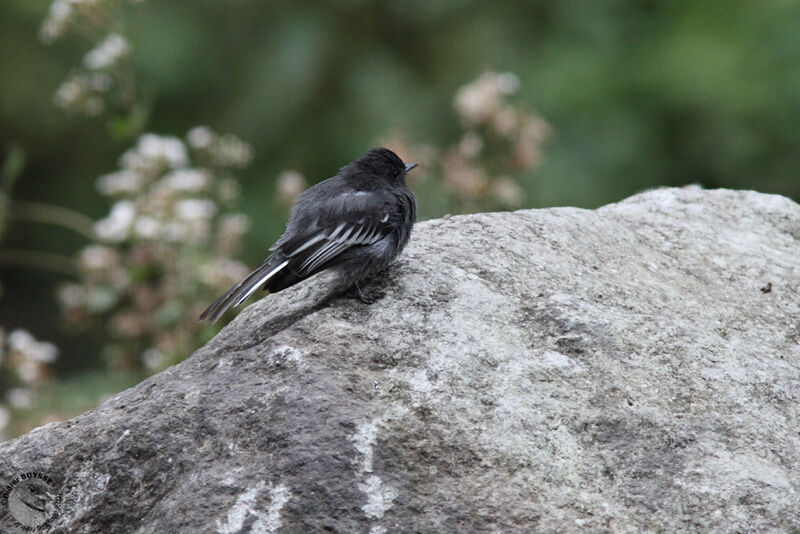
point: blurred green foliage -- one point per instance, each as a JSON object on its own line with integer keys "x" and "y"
{"x": 10, "y": 170}
{"x": 637, "y": 94}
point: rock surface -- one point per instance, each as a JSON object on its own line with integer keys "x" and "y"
{"x": 563, "y": 370}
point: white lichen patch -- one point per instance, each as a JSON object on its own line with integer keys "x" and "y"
{"x": 279, "y": 496}
{"x": 249, "y": 504}
{"x": 379, "y": 495}
{"x": 287, "y": 353}
{"x": 562, "y": 361}
{"x": 364, "y": 440}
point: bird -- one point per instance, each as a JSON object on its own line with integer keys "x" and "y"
{"x": 357, "y": 222}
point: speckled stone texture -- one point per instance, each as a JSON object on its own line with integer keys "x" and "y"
{"x": 561, "y": 370}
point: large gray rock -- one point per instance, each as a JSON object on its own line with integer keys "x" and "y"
{"x": 618, "y": 370}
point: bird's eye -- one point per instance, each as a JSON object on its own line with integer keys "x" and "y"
{"x": 32, "y": 489}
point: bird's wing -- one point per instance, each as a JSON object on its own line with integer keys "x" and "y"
{"x": 347, "y": 220}
{"x": 311, "y": 243}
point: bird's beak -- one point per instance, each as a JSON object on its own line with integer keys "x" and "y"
{"x": 410, "y": 166}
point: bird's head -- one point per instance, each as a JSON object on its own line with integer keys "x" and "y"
{"x": 383, "y": 162}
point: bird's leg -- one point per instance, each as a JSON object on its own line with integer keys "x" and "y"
{"x": 363, "y": 297}
{"x": 366, "y": 298}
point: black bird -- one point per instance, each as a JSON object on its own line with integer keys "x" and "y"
{"x": 357, "y": 221}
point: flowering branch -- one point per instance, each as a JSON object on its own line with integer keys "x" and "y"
{"x": 499, "y": 144}
{"x": 164, "y": 249}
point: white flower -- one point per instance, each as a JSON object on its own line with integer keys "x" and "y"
{"x": 508, "y": 192}
{"x": 154, "y": 151}
{"x": 195, "y": 208}
{"x": 201, "y": 137}
{"x": 187, "y": 180}
{"x": 184, "y": 232}
{"x": 506, "y": 121}
{"x": 20, "y": 340}
{"x": 80, "y": 93}
{"x": 176, "y": 232}
{"x": 69, "y": 93}
{"x": 56, "y": 22}
{"x": 470, "y": 145}
{"x": 153, "y": 359}
{"x": 230, "y": 229}
{"x": 117, "y": 226}
{"x": 23, "y": 342}
{"x": 20, "y": 398}
{"x": 290, "y": 185}
{"x": 120, "y": 182}
{"x": 60, "y": 15}
{"x": 98, "y": 257}
{"x": 107, "y": 53}
{"x": 72, "y": 295}
{"x": 528, "y": 148}
{"x": 230, "y": 151}
{"x": 506, "y": 82}
{"x": 222, "y": 272}
{"x": 170, "y": 149}
{"x": 147, "y": 227}
{"x": 188, "y": 231}
{"x": 228, "y": 190}
{"x": 234, "y": 225}
{"x": 478, "y": 100}
{"x": 30, "y": 372}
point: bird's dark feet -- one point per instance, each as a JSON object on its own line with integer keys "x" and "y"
{"x": 367, "y": 298}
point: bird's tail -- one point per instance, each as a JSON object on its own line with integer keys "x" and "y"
{"x": 239, "y": 293}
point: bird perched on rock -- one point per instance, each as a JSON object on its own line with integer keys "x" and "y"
{"x": 357, "y": 221}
